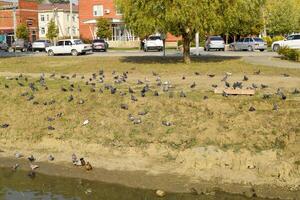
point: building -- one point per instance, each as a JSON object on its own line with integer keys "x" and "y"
{"x": 90, "y": 10}
{"x": 16, "y": 12}
{"x": 62, "y": 17}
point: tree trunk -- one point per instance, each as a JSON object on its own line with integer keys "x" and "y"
{"x": 186, "y": 49}
{"x": 227, "y": 38}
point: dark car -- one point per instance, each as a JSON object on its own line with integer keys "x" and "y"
{"x": 21, "y": 45}
{"x": 99, "y": 45}
{"x": 3, "y": 46}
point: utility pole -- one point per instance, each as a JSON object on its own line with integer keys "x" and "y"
{"x": 71, "y": 18}
{"x": 15, "y": 20}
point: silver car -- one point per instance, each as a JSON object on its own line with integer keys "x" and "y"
{"x": 249, "y": 44}
{"x": 214, "y": 42}
{"x": 40, "y": 45}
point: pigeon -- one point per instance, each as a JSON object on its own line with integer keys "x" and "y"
{"x": 100, "y": 90}
{"x": 133, "y": 98}
{"x": 245, "y": 78}
{"x": 34, "y": 167}
{"x": 142, "y": 113}
{"x": 263, "y": 86}
{"x": 182, "y": 94}
{"x": 6, "y": 86}
{"x": 130, "y": 90}
{"x": 193, "y": 191}
{"x": 224, "y": 78}
{"x": 51, "y": 128}
{"x": 156, "y": 94}
{"x": 4, "y": 125}
{"x": 124, "y": 106}
{"x": 31, "y": 174}
{"x": 214, "y": 85}
{"x": 137, "y": 121}
{"x": 20, "y": 84}
{"x": 59, "y": 115}
{"x": 143, "y": 94}
{"x": 252, "y": 109}
{"x": 139, "y": 82}
{"x": 70, "y": 98}
{"x": 15, "y": 167}
{"x": 286, "y": 75}
{"x": 81, "y": 101}
{"x": 24, "y": 94}
{"x": 64, "y": 89}
{"x": 238, "y": 85}
{"x": 205, "y": 97}
{"x": 31, "y": 158}
{"x": 74, "y": 158}
{"x": 92, "y": 90}
{"x": 52, "y": 75}
{"x": 154, "y": 74}
{"x": 113, "y": 90}
{"x": 166, "y": 123}
{"x": 183, "y": 78}
{"x": 50, "y": 119}
{"x": 197, "y": 73}
{"x": 283, "y": 96}
{"x": 257, "y": 72}
{"x": 254, "y": 86}
{"x": 227, "y": 84}
{"x": 50, "y": 158}
{"x": 296, "y": 91}
{"x": 211, "y": 75}
{"x": 130, "y": 117}
{"x": 73, "y": 76}
{"x": 193, "y": 85}
{"x": 266, "y": 96}
{"x": 31, "y": 97}
{"x": 275, "y": 107}
{"x": 82, "y": 161}
{"x": 88, "y": 166}
{"x": 86, "y": 122}
{"x": 19, "y": 155}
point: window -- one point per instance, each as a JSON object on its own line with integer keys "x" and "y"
{"x": 97, "y": 10}
{"x": 42, "y": 18}
{"x": 247, "y": 40}
{"x": 29, "y": 22}
{"x": 68, "y": 43}
{"x": 60, "y": 43}
{"x": 43, "y": 31}
{"x": 258, "y": 40}
{"x": 290, "y": 37}
{"x": 296, "y": 37}
{"x": 216, "y": 38}
{"x": 241, "y": 40}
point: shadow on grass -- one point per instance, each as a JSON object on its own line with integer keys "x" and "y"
{"x": 175, "y": 59}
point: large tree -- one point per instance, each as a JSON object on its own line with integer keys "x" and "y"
{"x": 22, "y": 32}
{"x": 53, "y": 30}
{"x": 187, "y": 17}
{"x": 103, "y": 28}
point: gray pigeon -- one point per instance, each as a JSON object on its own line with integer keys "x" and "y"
{"x": 193, "y": 85}
{"x": 182, "y": 94}
{"x": 124, "y": 106}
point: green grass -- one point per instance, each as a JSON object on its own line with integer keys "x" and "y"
{"x": 218, "y": 121}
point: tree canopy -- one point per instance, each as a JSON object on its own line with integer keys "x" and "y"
{"x": 103, "y": 28}
{"x": 53, "y": 30}
{"x": 22, "y": 32}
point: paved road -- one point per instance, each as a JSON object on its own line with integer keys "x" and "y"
{"x": 258, "y": 58}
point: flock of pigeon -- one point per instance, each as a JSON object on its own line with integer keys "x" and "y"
{"x": 33, "y": 167}
{"x": 144, "y": 89}
{"x": 134, "y": 94}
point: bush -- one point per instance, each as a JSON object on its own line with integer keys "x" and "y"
{"x": 268, "y": 40}
{"x": 290, "y": 54}
{"x": 277, "y": 38}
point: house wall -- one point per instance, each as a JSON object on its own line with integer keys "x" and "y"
{"x": 26, "y": 13}
{"x": 62, "y": 21}
{"x": 86, "y": 13}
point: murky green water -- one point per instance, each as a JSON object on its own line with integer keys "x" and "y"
{"x": 18, "y": 186}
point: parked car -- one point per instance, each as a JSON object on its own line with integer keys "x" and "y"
{"x": 153, "y": 43}
{"x": 214, "y": 42}
{"x": 73, "y": 47}
{"x": 250, "y": 44}
{"x": 22, "y": 45}
{"x": 3, "y": 46}
{"x": 40, "y": 45}
{"x": 292, "y": 41}
{"x": 99, "y": 45}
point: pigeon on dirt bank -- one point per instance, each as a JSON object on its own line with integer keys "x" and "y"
{"x": 155, "y": 93}
{"x": 51, "y": 128}
{"x": 245, "y": 78}
{"x": 133, "y": 98}
{"x": 257, "y": 72}
{"x": 211, "y": 75}
{"x": 124, "y": 106}
{"x": 182, "y": 94}
{"x": 193, "y": 85}
{"x": 4, "y": 125}
{"x": 31, "y": 158}
{"x": 252, "y": 109}
{"x": 166, "y": 123}
{"x": 70, "y": 98}
{"x": 227, "y": 84}
{"x": 130, "y": 90}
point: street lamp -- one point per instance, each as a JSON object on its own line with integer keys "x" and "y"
{"x": 71, "y": 17}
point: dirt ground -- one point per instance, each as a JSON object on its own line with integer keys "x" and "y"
{"x": 210, "y": 137}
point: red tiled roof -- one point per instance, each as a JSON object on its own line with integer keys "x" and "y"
{"x": 59, "y": 6}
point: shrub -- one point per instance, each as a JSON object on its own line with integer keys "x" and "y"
{"x": 289, "y": 54}
{"x": 268, "y": 40}
{"x": 277, "y": 38}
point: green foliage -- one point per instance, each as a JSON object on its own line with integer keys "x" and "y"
{"x": 103, "y": 28}
{"x": 277, "y": 38}
{"x": 283, "y": 16}
{"x": 290, "y": 54}
{"x": 53, "y": 30}
{"x": 268, "y": 40}
{"x": 22, "y": 32}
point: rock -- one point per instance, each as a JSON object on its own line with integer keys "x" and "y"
{"x": 160, "y": 193}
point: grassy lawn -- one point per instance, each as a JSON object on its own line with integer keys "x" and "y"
{"x": 195, "y": 121}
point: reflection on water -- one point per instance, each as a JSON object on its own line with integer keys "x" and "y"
{"x": 18, "y": 186}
